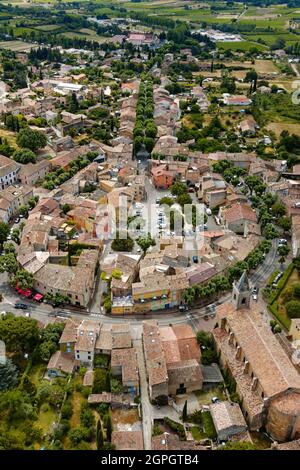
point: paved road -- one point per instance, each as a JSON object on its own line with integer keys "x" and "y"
{"x": 41, "y": 311}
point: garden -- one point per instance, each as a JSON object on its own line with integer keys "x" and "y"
{"x": 284, "y": 299}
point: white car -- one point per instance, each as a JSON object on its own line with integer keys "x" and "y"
{"x": 27, "y": 314}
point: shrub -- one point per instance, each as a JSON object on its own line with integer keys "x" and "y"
{"x": 87, "y": 418}
{"x": 102, "y": 409}
{"x": 161, "y": 400}
{"x": 196, "y": 417}
{"x": 156, "y": 431}
{"x": 293, "y": 309}
{"x": 67, "y": 410}
{"x": 100, "y": 382}
{"x": 208, "y": 425}
{"x": 176, "y": 427}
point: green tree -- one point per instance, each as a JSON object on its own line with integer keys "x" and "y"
{"x": 123, "y": 243}
{"x": 184, "y": 412}
{"x": 177, "y": 189}
{"x": 146, "y": 242}
{"x": 4, "y": 232}
{"x": 8, "y": 263}
{"x": 109, "y": 427}
{"x": 283, "y": 251}
{"x": 293, "y": 309}
{"x": 19, "y": 333}
{"x": 24, "y": 156}
{"x": 99, "y": 435}
{"x": 16, "y": 406}
{"x": 189, "y": 295}
{"x": 9, "y": 247}
{"x": 24, "y": 279}
{"x": 31, "y": 139}
{"x": 8, "y": 375}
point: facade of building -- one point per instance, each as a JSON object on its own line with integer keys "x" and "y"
{"x": 9, "y": 170}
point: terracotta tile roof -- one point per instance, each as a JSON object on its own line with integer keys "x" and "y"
{"x": 240, "y": 212}
{"x": 154, "y": 354}
{"x": 275, "y": 372}
{"x": 63, "y": 362}
{"x": 127, "y": 359}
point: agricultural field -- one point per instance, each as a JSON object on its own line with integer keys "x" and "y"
{"x": 16, "y": 46}
{"x": 278, "y": 127}
{"x": 243, "y": 46}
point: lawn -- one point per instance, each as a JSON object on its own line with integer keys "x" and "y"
{"x": 36, "y": 373}
{"x": 10, "y": 136}
{"x": 205, "y": 396}
{"x": 292, "y": 281}
{"x": 46, "y": 418}
{"x": 265, "y": 66}
{"x": 197, "y": 433}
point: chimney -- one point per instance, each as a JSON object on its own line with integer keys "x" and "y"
{"x": 223, "y": 323}
{"x": 230, "y": 339}
{"x": 246, "y": 368}
{"x": 254, "y": 384}
{"x": 238, "y": 353}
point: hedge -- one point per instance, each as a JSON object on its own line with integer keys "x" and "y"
{"x": 208, "y": 425}
{"x": 273, "y": 304}
{"x": 176, "y": 427}
{"x": 282, "y": 283}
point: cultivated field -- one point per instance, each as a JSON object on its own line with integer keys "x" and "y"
{"x": 278, "y": 127}
{"x": 16, "y": 46}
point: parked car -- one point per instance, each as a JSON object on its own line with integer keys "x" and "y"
{"x": 20, "y": 305}
{"x": 282, "y": 241}
{"x": 208, "y": 211}
{"x": 27, "y": 314}
{"x": 183, "y": 308}
{"x": 279, "y": 276}
{"x": 215, "y": 400}
{"x": 17, "y": 220}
